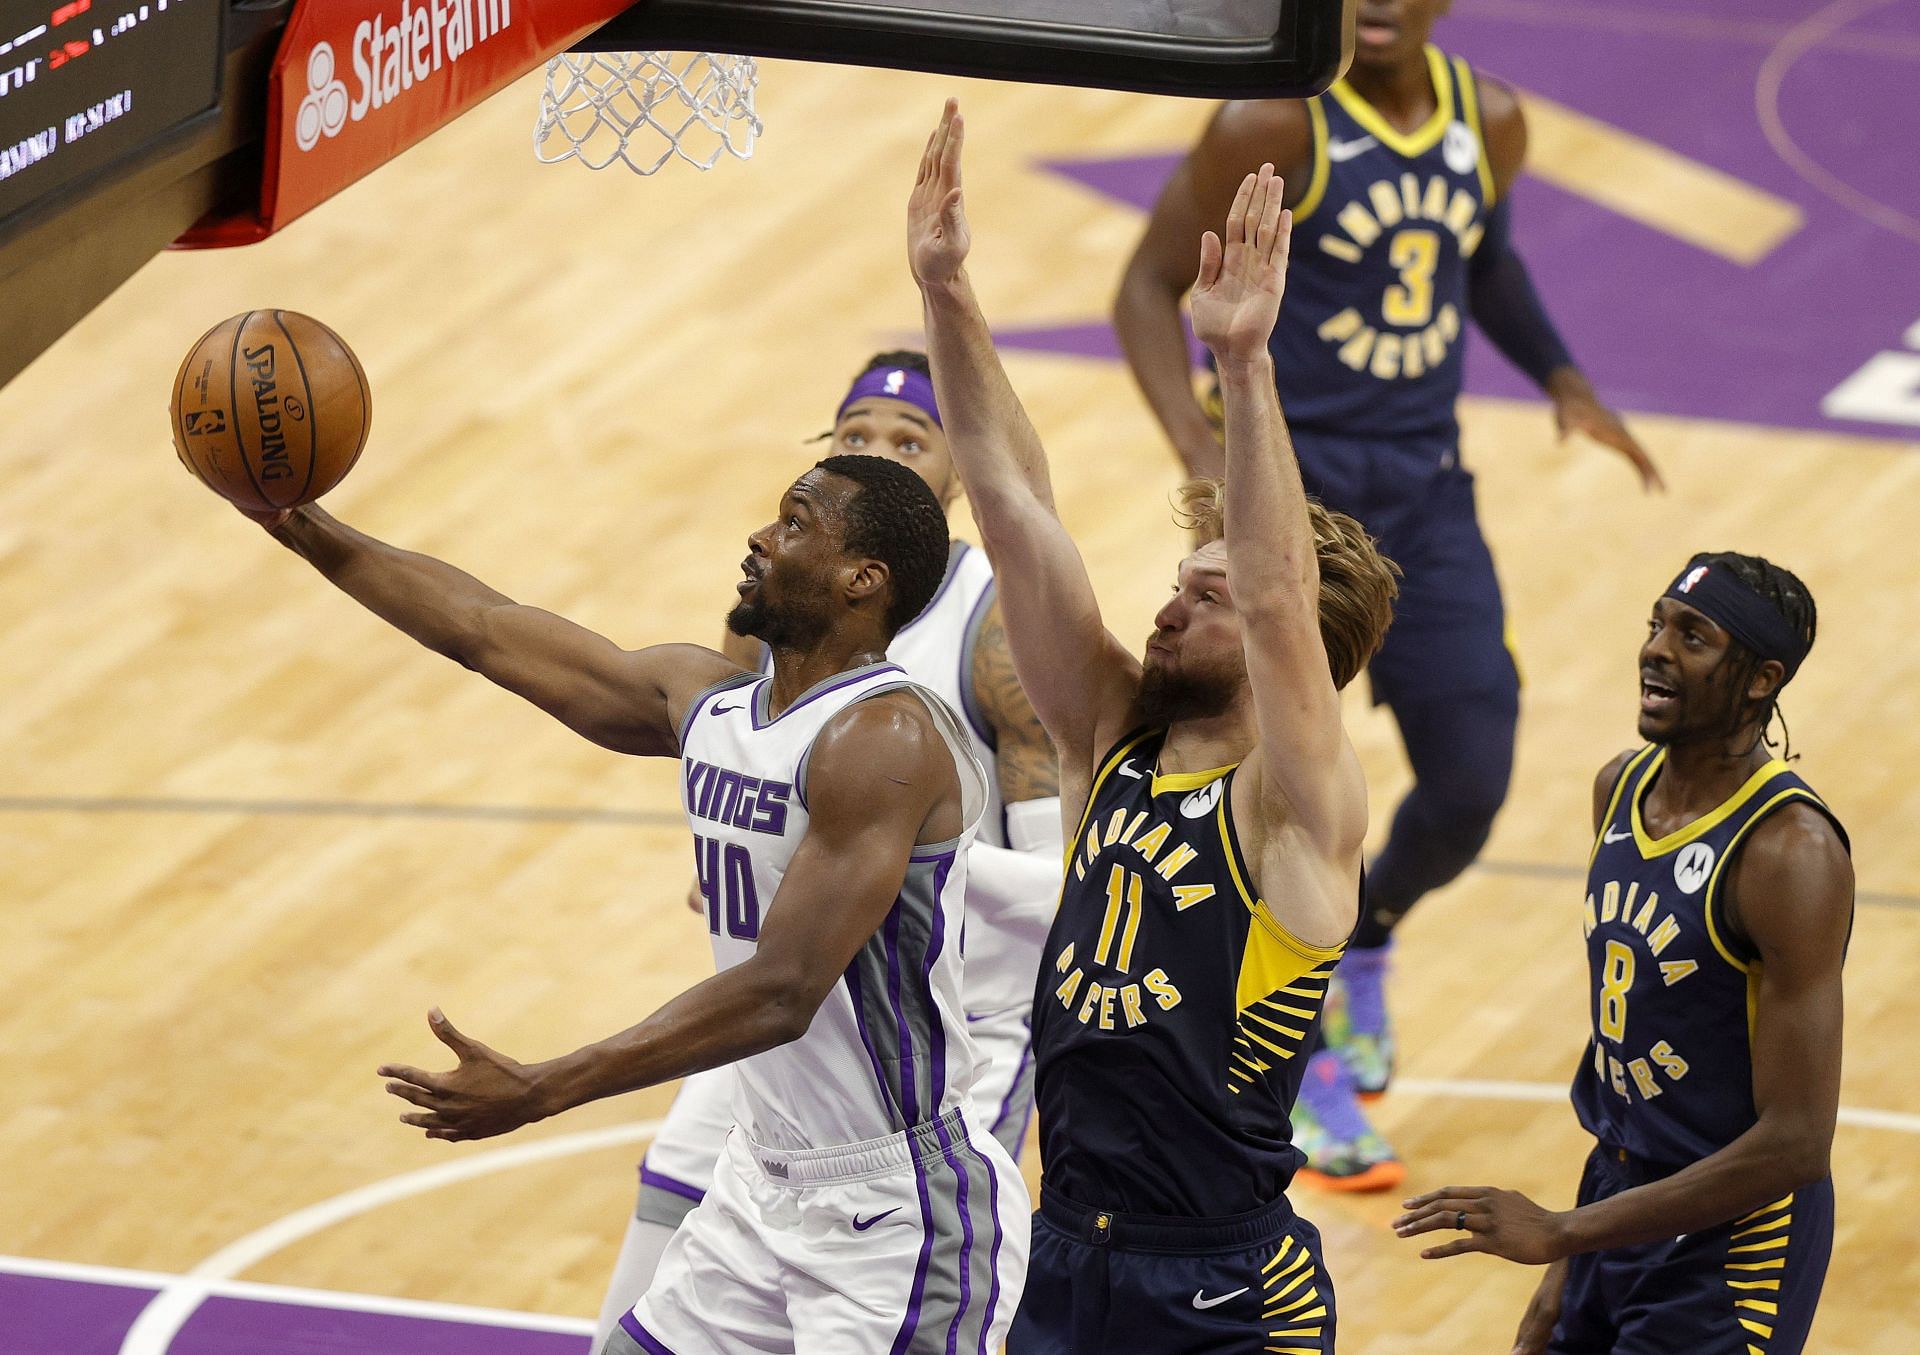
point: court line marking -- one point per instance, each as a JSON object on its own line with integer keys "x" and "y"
{"x": 160, "y": 1321}
{"x": 335, "y": 1299}
{"x": 153, "y": 1331}
{"x": 1806, "y": 36}
{"x": 644, "y": 818}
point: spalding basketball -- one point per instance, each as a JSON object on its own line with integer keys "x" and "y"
{"x": 270, "y": 410}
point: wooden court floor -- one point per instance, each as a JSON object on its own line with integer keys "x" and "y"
{"x": 247, "y": 835}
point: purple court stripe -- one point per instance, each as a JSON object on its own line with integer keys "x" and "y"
{"x": 903, "y": 1339}
{"x": 909, "y": 1088}
{"x": 650, "y": 1343}
{"x": 827, "y": 689}
{"x": 966, "y": 1234}
{"x": 661, "y": 1181}
{"x": 852, "y": 977}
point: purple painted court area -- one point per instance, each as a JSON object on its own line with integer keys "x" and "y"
{"x": 1815, "y": 102}
{"x": 44, "y": 1315}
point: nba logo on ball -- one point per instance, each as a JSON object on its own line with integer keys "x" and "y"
{"x": 1693, "y": 867}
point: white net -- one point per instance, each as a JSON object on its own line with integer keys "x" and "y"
{"x": 644, "y": 109}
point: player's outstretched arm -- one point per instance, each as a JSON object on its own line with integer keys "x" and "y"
{"x": 1146, "y": 310}
{"x": 1501, "y": 296}
{"x": 879, "y": 779}
{"x": 1079, "y": 678}
{"x": 1308, "y": 777}
{"x": 626, "y": 700}
{"x": 1792, "y": 894}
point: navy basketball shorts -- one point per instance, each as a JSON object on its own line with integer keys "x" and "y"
{"x": 1744, "y": 1286}
{"x": 1449, "y": 632}
{"x": 1103, "y": 1282}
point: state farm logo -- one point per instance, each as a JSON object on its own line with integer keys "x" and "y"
{"x": 388, "y": 59}
{"x": 324, "y": 110}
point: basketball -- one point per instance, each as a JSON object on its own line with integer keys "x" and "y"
{"x": 270, "y": 410}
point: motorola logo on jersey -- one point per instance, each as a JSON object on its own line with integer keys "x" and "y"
{"x": 1460, "y": 148}
{"x": 1692, "y": 867}
{"x": 1202, "y": 802}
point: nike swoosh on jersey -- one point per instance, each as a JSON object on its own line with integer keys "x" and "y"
{"x": 724, "y": 710}
{"x": 1127, "y": 769}
{"x": 1203, "y": 1303}
{"x": 1341, "y": 151}
{"x": 1611, "y": 837}
{"x": 861, "y": 1225}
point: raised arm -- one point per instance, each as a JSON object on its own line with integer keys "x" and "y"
{"x": 1079, "y": 678}
{"x": 627, "y": 700}
{"x": 1792, "y": 895}
{"x": 1146, "y": 310}
{"x": 1307, "y": 773}
{"x": 880, "y": 779}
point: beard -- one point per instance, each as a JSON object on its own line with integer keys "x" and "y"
{"x": 779, "y": 627}
{"x": 1167, "y": 697}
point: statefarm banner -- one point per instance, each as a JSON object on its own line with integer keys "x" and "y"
{"x": 356, "y": 82}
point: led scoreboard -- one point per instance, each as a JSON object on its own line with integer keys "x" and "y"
{"x": 86, "y": 83}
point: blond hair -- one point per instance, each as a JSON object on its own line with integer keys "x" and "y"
{"x": 1357, "y": 583}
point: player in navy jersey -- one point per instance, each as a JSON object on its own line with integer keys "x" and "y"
{"x": 1719, "y": 902}
{"x": 1398, "y": 179}
{"x": 1215, "y": 813}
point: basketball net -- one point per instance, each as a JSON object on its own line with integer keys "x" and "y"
{"x": 646, "y": 108}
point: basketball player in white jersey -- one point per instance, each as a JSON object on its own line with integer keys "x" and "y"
{"x": 860, "y": 1205}
{"x": 957, "y": 647}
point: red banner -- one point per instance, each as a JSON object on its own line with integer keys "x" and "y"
{"x": 356, "y": 82}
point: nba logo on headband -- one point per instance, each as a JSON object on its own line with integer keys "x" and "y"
{"x": 896, "y": 382}
{"x": 1697, "y": 573}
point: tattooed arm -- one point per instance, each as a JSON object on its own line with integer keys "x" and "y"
{"x": 1028, "y": 768}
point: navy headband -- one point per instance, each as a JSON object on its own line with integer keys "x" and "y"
{"x": 1724, "y": 598}
{"x": 893, "y": 383}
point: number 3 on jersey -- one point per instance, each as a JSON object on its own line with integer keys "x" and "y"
{"x": 1409, "y": 302}
{"x": 726, "y": 882}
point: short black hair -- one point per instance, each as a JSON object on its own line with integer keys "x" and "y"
{"x": 1789, "y": 596}
{"x": 910, "y": 358}
{"x": 895, "y": 519}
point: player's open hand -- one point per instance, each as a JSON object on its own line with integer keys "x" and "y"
{"x": 1236, "y": 298}
{"x": 1487, "y": 1219}
{"x": 1577, "y": 409}
{"x": 486, "y": 1094}
{"x": 937, "y": 234}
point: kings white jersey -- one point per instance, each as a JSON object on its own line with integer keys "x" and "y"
{"x": 888, "y": 1049}
{"x": 936, "y": 649}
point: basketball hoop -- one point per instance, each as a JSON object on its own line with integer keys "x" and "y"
{"x": 646, "y": 108}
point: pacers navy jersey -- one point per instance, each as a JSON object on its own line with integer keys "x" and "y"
{"x": 1668, "y": 1076}
{"x": 1173, "y": 1008}
{"x": 1370, "y": 339}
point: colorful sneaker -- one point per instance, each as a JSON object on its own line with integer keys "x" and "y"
{"x": 1344, "y": 1152}
{"x": 1359, "y": 1030}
